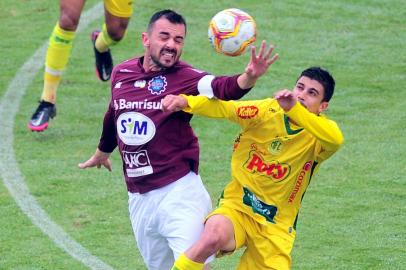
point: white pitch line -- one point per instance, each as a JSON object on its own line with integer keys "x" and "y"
{"x": 9, "y": 170}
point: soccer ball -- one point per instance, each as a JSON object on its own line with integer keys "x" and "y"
{"x": 231, "y": 31}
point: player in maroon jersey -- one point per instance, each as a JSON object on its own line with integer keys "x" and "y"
{"x": 160, "y": 152}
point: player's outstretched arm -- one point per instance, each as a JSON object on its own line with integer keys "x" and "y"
{"x": 98, "y": 159}
{"x": 257, "y": 66}
{"x": 325, "y": 130}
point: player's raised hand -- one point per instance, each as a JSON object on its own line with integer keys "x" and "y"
{"x": 98, "y": 159}
{"x": 286, "y": 99}
{"x": 259, "y": 63}
{"x": 172, "y": 103}
{"x": 257, "y": 66}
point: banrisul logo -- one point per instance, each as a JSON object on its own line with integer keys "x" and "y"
{"x": 157, "y": 85}
{"x": 135, "y": 128}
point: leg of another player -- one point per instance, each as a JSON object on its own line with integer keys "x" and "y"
{"x": 218, "y": 235}
{"x": 57, "y": 56}
{"x": 70, "y": 11}
{"x": 116, "y": 26}
{"x": 60, "y": 46}
{"x": 112, "y": 32}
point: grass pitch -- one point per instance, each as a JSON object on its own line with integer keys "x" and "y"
{"x": 353, "y": 215}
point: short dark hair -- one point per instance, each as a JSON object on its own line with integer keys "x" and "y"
{"x": 323, "y": 77}
{"x": 168, "y": 14}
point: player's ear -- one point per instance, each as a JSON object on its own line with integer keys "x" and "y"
{"x": 323, "y": 106}
{"x": 145, "y": 39}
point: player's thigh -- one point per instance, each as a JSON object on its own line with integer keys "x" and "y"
{"x": 119, "y": 8}
{"x": 117, "y": 17}
{"x": 267, "y": 252}
{"x": 156, "y": 253}
{"x": 183, "y": 213}
{"x": 70, "y": 11}
{"x": 154, "y": 248}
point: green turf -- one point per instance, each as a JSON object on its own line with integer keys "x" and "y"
{"x": 353, "y": 215}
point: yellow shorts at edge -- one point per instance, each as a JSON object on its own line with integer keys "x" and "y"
{"x": 119, "y": 8}
{"x": 265, "y": 248}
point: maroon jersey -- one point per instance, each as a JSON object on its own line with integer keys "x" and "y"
{"x": 157, "y": 148}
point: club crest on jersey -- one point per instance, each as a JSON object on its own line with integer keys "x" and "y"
{"x": 140, "y": 83}
{"x": 275, "y": 147}
{"x": 157, "y": 85}
{"x": 134, "y": 128}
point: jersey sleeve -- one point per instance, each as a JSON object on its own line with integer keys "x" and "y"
{"x": 227, "y": 88}
{"x": 108, "y": 141}
{"x": 326, "y": 131}
{"x": 244, "y": 113}
{"x": 202, "y": 83}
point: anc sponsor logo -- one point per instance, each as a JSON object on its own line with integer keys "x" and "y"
{"x": 137, "y": 163}
{"x": 299, "y": 181}
{"x": 273, "y": 169}
{"x": 247, "y": 112}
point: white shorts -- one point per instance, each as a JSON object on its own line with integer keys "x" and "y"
{"x": 168, "y": 220}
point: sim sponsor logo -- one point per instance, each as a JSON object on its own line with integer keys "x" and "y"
{"x": 135, "y": 128}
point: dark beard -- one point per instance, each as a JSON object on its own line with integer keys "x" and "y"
{"x": 157, "y": 63}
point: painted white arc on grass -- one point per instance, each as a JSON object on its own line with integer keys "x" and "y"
{"x": 9, "y": 170}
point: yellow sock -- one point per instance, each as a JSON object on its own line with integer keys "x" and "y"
{"x": 51, "y": 83}
{"x": 184, "y": 263}
{"x": 104, "y": 41}
{"x": 58, "y": 53}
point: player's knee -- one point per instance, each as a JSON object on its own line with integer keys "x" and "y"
{"x": 68, "y": 21}
{"x": 219, "y": 234}
{"x": 213, "y": 240}
{"x": 117, "y": 29}
{"x": 116, "y": 36}
{"x": 212, "y": 244}
{"x": 116, "y": 33}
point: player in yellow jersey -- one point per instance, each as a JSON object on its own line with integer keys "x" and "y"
{"x": 282, "y": 143}
{"x": 117, "y": 16}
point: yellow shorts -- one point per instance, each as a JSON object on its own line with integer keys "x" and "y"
{"x": 265, "y": 247}
{"x": 119, "y": 8}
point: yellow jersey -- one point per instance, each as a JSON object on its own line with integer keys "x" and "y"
{"x": 273, "y": 159}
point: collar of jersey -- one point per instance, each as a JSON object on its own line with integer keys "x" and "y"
{"x": 289, "y": 130}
